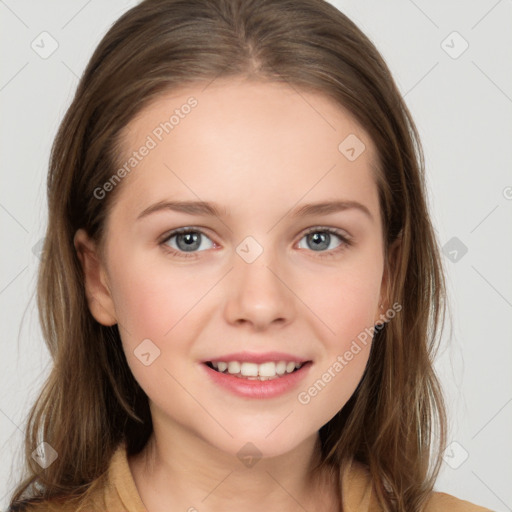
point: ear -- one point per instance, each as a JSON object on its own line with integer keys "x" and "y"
{"x": 390, "y": 265}
{"x": 97, "y": 289}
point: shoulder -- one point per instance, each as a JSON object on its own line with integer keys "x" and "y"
{"x": 90, "y": 500}
{"x": 107, "y": 492}
{"x": 441, "y": 502}
{"x": 359, "y": 495}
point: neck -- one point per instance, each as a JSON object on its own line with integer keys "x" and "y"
{"x": 181, "y": 471}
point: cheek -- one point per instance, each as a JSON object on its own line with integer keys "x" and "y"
{"x": 157, "y": 302}
{"x": 348, "y": 309}
{"x": 153, "y": 300}
{"x": 334, "y": 382}
{"x": 164, "y": 303}
{"x": 344, "y": 300}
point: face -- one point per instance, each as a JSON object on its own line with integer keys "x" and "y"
{"x": 261, "y": 274}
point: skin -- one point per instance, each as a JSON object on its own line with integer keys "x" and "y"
{"x": 258, "y": 150}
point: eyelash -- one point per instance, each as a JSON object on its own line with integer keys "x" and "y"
{"x": 345, "y": 241}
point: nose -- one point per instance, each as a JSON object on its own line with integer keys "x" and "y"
{"x": 258, "y": 294}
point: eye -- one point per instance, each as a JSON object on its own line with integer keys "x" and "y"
{"x": 320, "y": 239}
{"x": 185, "y": 240}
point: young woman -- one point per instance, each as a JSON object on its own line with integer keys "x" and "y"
{"x": 241, "y": 288}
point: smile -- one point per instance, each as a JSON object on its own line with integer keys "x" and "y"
{"x": 245, "y": 380}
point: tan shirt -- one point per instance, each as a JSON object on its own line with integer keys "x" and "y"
{"x": 120, "y": 493}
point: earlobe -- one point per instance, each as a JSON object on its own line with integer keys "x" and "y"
{"x": 97, "y": 291}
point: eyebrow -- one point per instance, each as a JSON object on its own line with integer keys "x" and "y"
{"x": 211, "y": 209}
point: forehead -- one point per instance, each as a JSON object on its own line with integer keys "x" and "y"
{"x": 274, "y": 108}
{"x": 232, "y": 137}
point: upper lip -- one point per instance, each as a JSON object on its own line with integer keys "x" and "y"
{"x": 253, "y": 357}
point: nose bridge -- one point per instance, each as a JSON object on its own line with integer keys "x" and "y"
{"x": 257, "y": 293}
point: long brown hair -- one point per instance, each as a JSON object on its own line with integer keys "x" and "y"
{"x": 395, "y": 421}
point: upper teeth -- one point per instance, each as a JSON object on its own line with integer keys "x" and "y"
{"x": 270, "y": 369}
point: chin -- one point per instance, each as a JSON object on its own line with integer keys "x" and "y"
{"x": 249, "y": 444}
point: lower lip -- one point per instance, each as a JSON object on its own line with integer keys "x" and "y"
{"x": 258, "y": 388}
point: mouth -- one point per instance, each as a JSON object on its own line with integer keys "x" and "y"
{"x": 252, "y": 371}
{"x": 257, "y": 381}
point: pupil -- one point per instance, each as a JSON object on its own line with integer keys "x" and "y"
{"x": 190, "y": 239}
{"x": 321, "y": 240}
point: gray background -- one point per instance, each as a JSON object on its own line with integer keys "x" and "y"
{"x": 462, "y": 104}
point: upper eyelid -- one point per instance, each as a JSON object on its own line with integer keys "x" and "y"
{"x": 336, "y": 231}
{"x": 179, "y": 231}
